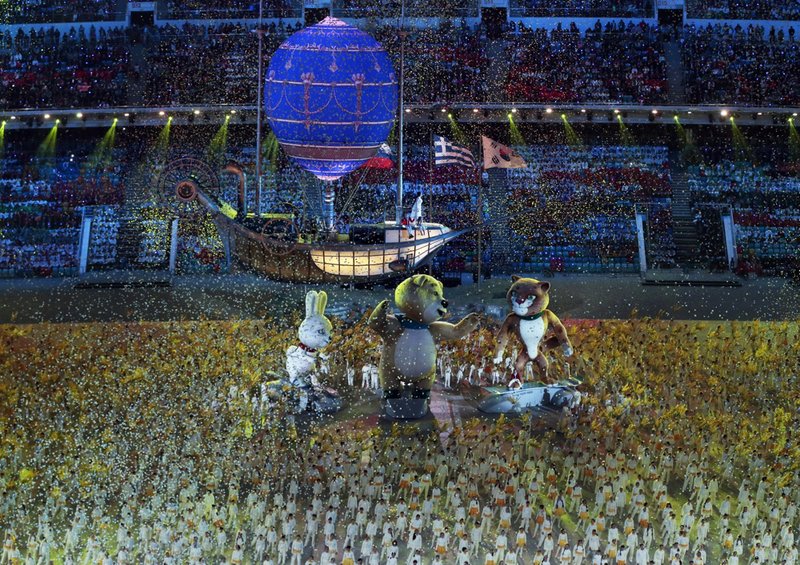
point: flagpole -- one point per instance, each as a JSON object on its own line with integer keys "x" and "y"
{"x": 480, "y": 218}
{"x": 430, "y": 176}
{"x": 398, "y": 209}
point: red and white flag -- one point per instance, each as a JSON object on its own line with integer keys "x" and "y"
{"x": 497, "y": 155}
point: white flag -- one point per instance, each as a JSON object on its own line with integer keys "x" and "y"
{"x": 497, "y": 155}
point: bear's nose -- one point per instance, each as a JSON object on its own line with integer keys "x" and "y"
{"x": 445, "y": 303}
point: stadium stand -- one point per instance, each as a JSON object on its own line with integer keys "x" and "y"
{"x": 573, "y": 208}
{"x": 766, "y": 204}
{"x": 742, "y": 9}
{"x": 63, "y": 11}
{"x": 622, "y": 63}
{"x": 731, "y": 65}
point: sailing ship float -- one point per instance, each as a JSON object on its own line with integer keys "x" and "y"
{"x": 330, "y": 96}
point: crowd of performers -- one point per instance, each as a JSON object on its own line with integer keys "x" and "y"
{"x": 149, "y": 443}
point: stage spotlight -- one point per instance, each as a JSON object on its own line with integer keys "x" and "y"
{"x": 233, "y": 112}
{"x": 616, "y": 111}
{"x": 161, "y": 113}
{"x": 13, "y": 118}
{"x": 549, "y": 111}
{"x": 47, "y": 116}
{"x": 723, "y": 113}
{"x": 196, "y": 112}
{"x": 79, "y": 115}
{"x": 654, "y": 112}
{"x": 513, "y": 110}
{"x": 583, "y": 110}
{"x": 475, "y": 110}
{"x": 444, "y": 109}
{"x": 127, "y": 114}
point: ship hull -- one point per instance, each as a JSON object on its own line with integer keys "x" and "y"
{"x": 332, "y": 262}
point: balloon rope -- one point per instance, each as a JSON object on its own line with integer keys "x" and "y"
{"x": 353, "y": 192}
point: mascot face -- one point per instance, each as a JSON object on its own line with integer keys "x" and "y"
{"x": 421, "y": 299}
{"x": 315, "y": 331}
{"x": 528, "y": 296}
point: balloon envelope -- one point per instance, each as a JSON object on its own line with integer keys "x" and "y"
{"x": 330, "y": 97}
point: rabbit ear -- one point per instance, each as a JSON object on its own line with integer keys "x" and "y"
{"x": 322, "y": 301}
{"x": 311, "y": 303}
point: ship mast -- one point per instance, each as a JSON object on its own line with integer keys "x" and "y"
{"x": 259, "y": 87}
{"x": 398, "y": 214}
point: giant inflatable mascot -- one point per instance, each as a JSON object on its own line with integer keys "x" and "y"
{"x": 407, "y": 366}
{"x": 529, "y": 321}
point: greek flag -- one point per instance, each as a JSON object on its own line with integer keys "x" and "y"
{"x": 447, "y": 153}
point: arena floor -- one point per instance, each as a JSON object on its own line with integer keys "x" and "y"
{"x": 251, "y": 297}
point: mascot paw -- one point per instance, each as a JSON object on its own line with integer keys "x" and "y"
{"x": 472, "y": 321}
{"x": 567, "y": 349}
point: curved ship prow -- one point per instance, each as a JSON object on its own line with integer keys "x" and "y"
{"x": 366, "y": 253}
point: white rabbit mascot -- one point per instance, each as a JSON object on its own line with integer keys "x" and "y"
{"x": 301, "y": 360}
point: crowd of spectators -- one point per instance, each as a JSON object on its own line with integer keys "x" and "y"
{"x": 40, "y": 211}
{"x": 195, "y": 64}
{"x": 736, "y": 65}
{"x": 413, "y": 9}
{"x": 615, "y": 63}
{"x": 766, "y": 207}
{"x": 43, "y": 69}
{"x": 444, "y": 64}
{"x": 743, "y": 9}
{"x": 211, "y": 65}
{"x": 47, "y": 11}
{"x": 103, "y": 236}
{"x": 230, "y": 9}
{"x": 572, "y": 209}
{"x": 582, "y": 9}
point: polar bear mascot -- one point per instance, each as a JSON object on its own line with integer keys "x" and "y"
{"x": 407, "y": 367}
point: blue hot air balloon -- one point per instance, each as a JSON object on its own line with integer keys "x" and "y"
{"x": 330, "y": 97}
